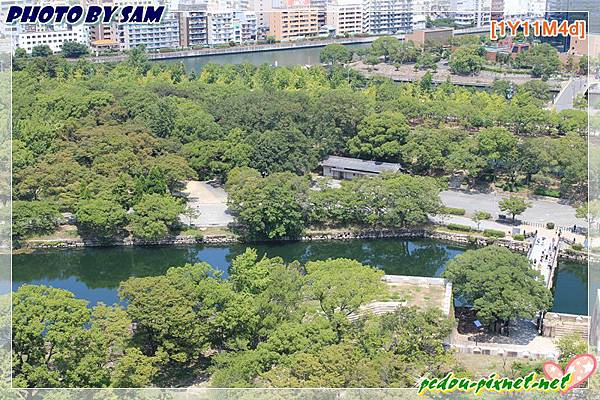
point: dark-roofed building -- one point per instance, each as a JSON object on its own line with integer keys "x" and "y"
{"x": 349, "y": 168}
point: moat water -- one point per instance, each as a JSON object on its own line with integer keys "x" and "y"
{"x": 95, "y": 274}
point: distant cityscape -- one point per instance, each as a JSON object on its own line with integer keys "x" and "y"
{"x": 190, "y": 24}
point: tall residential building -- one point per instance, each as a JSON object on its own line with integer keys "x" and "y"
{"x": 432, "y": 9}
{"x": 321, "y": 6}
{"x": 517, "y": 9}
{"x": 345, "y": 17}
{"x": 220, "y": 27}
{"x": 193, "y": 25}
{"x": 387, "y": 17}
{"x": 293, "y": 23}
{"x": 162, "y": 35}
{"x": 245, "y": 27}
{"x": 471, "y": 12}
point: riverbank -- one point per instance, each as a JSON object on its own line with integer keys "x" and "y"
{"x": 425, "y": 232}
{"x": 204, "y": 52}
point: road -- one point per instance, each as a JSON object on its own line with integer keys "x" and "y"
{"x": 541, "y": 212}
{"x": 575, "y": 86}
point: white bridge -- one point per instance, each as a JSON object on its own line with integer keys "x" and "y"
{"x": 543, "y": 256}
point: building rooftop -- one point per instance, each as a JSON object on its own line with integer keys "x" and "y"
{"x": 356, "y": 164}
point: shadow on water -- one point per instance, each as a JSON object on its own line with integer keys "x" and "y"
{"x": 96, "y": 273}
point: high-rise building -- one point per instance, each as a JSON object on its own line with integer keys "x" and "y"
{"x": 293, "y": 23}
{"x": 345, "y": 17}
{"x": 162, "y": 35}
{"x": 245, "y": 27}
{"x": 193, "y": 25}
{"x": 517, "y": 9}
{"x": 220, "y": 27}
{"x": 559, "y": 10}
{"x": 387, "y": 17}
{"x": 471, "y": 12}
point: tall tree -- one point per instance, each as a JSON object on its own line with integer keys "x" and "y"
{"x": 500, "y": 285}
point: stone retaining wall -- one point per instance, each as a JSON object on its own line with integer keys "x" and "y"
{"x": 460, "y": 238}
{"x": 515, "y": 351}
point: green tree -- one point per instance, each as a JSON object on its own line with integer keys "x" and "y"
{"x": 183, "y": 314}
{"x": 406, "y": 52}
{"x": 542, "y": 59}
{"x": 513, "y": 205}
{"x": 500, "y": 285}
{"x": 384, "y": 47}
{"x": 272, "y": 207}
{"x": 34, "y": 218}
{"x": 72, "y": 49}
{"x": 335, "y": 54}
{"x": 341, "y": 286}
{"x": 583, "y": 65}
{"x": 479, "y": 216}
{"x": 155, "y": 215}
{"x": 570, "y": 346}
{"x": 41, "y": 50}
{"x": 99, "y": 217}
{"x": 466, "y": 60}
{"x": 59, "y": 342}
{"x": 249, "y": 274}
{"x": 380, "y": 136}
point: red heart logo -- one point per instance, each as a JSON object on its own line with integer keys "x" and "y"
{"x": 580, "y": 367}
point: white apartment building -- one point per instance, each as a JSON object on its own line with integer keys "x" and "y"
{"x": 345, "y": 17}
{"x": 54, "y": 36}
{"x": 220, "y": 27}
{"x": 471, "y": 12}
{"x": 162, "y": 35}
{"x": 387, "y": 17}
{"x": 518, "y": 9}
{"x": 245, "y": 27}
{"x": 31, "y": 35}
{"x": 433, "y": 9}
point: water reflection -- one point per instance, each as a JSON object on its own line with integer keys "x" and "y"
{"x": 95, "y": 273}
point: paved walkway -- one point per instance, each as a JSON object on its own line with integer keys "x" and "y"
{"x": 543, "y": 210}
{"x": 210, "y": 203}
{"x": 573, "y": 88}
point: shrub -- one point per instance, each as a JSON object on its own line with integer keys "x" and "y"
{"x": 493, "y": 233}
{"x": 453, "y": 211}
{"x": 518, "y": 236}
{"x": 542, "y": 191}
{"x": 459, "y": 227}
{"x": 550, "y": 225}
{"x": 577, "y": 246}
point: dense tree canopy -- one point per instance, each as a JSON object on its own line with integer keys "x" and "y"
{"x": 335, "y": 54}
{"x": 466, "y": 60}
{"x": 117, "y": 132}
{"x": 499, "y": 284}
{"x": 59, "y": 342}
{"x": 270, "y": 324}
{"x": 272, "y": 207}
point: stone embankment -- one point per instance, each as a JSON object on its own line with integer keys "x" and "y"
{"x": 337, "y": 234}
